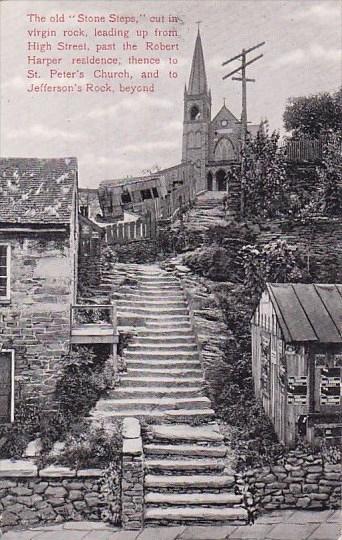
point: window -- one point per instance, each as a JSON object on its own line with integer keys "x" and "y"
{"x": 126, "y": 197}
{"x": 155, "y": 192}
{"x": 330, "y": 391}
{"x": 6, "y": 386}
{"x": 4, "y": 272}
{"x": 195, "y": 113}
{"x": 146, "y": 194}
{"x": 84, "y": 210}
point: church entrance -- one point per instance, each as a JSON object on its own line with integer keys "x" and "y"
{"x": 221, "y": 180}
{"x": 209, "y": 181}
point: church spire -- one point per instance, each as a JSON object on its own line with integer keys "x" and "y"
{"x": 198, "y": 78}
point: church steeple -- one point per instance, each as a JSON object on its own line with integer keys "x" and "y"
{"x": 198, "y": 78}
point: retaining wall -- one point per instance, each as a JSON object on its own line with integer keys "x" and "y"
{"x": 303, "y": 481}
{"x": 29, "y": 496}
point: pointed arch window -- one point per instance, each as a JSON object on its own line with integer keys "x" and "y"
{"x": 195, "y": 113}
{"x": 224, "y": 150}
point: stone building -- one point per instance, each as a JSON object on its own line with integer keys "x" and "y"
{"x": 297, "y": 360}
{"x": 212, "y": 145}
{"x": 38, "y": 274}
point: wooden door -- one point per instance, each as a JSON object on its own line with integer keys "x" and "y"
{"x": 6, "y": 383}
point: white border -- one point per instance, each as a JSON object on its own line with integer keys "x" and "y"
{"x": 8, "y": 270}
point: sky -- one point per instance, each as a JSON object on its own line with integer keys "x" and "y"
{"x": 117, "y": 135}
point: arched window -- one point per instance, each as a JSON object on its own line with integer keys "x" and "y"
{"x": 221, "y": 180}
{"x": 198, "y": 139}
{"x": 194, "y": 113}
{"x": 191, "y": 139}
{"x": 224, "y": 150}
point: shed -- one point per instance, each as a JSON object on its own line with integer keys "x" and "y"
{"x": 297, "y": 359}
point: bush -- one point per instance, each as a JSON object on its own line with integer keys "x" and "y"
{"x": 15, "y": 437}
{"x": 85, "y": 377}
{"x": 276, "y": 262}
{"x": 212, "y": 262}
{"x": 89, "y": 446}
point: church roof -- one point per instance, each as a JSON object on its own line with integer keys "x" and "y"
{"x": 198, "y": 78}
{"x": 225, "y": 113}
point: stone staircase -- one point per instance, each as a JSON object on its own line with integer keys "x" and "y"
{"x": 187, "y": 474}
{"x": 188, "y": 478}
{"x": 163, "y": 377}
{"x": 207, "y": 211}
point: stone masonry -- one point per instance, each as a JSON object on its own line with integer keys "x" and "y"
{"x": 29, "y": 497}
{"x": 36, "y": 322}
{"x": 303, "y": 480}
{"x": 132, "y": 485}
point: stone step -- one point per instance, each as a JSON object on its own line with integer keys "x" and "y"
{"x": 187, "y": 382}
{"x": 184, "y": 450}
{"x": 151, "y": 296}
{"x": 139, "y": 345}
{"x": 183, "y": 465}
{"x": 169, "y": 415}
{"x": 157, "y": 331}
{"x": 192, "y": 499}
{"x": 162, "y": 364}
{"x": 156, "y": 280}
{"x": 174, "y": 373}
{"x": 161, "y": 355}
{"x": 155, "y": 392}
{"x": 108, "y": 418}
{"x": 149, "y": 311}
{"x": 184, "y": 415}
{"x": 193, "y": 481}
{"x": 187, "y": 433}
{"x": 155, "y": 339}
{"x": 164, "y": 404}
{"x": 146, "y": 301}
{"x": 162, "y": 286}
{"x": 165, "y": 320}
{"x": 196, "y": 514}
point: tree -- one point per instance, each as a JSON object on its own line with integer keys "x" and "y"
{"x": 312, "y": 116}
{"x": 264, "y": 174}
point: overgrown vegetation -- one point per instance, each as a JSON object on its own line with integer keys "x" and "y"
{"x": 251, "y": 432}
{"x": 220, "y": 258}
{"x": 88, "y": 445}
{"x": 264, "y": 175}
{"x": 246, "y": 268}
{"x": 84, "y": 378}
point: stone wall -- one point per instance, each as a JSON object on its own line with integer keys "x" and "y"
{"x": 319, "y": 242}
{"x": 138, "y": 251}
{"x": 29, "y": 496}
{"x": 36, "y": 321}
{"x": 302, "y": 480}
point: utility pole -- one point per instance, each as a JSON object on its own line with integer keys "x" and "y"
{"x": 244, "y": 122}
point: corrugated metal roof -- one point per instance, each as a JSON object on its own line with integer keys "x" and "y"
{"x": 308, "y": 312}
{"x": 36, "y": 190}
